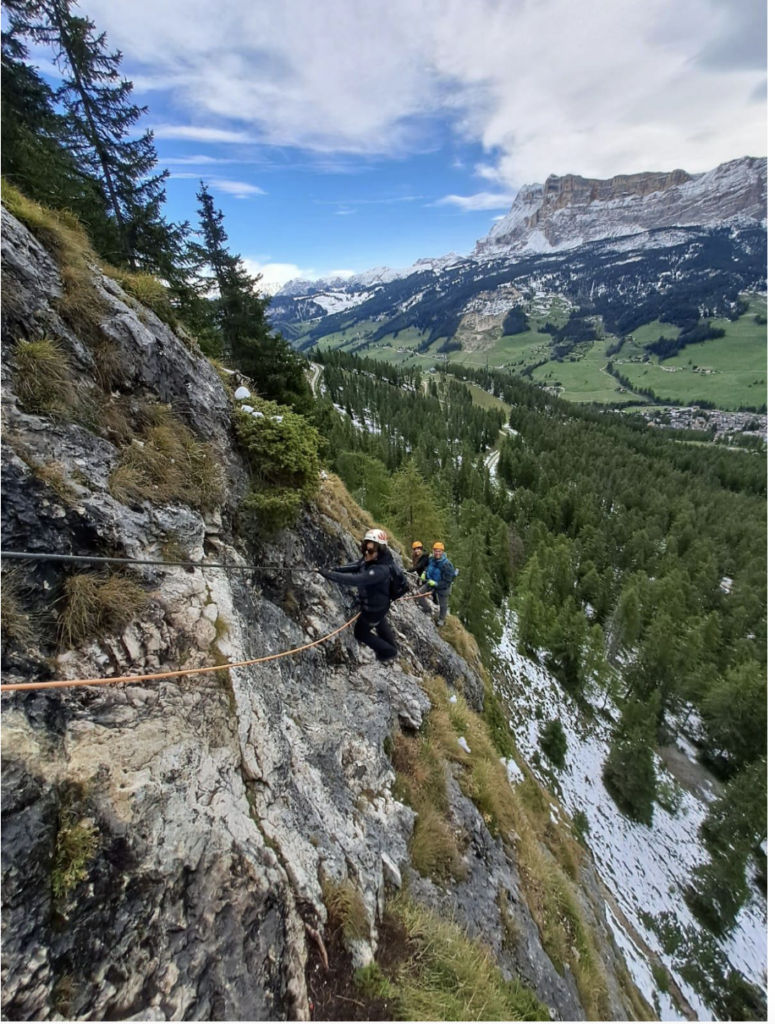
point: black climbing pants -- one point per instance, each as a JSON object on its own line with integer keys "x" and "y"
{"x": 378, "y": 636}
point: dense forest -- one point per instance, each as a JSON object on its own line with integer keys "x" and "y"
{"x": 610, "y": 541}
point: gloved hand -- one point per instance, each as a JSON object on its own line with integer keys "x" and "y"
{"x": 432, "y": 583}
{"x": 423, "y": 577}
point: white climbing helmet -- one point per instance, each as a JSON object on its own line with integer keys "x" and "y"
{"x": 377, "y": 536}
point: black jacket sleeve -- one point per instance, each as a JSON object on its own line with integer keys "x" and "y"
{"x": 350, "y": 567}
{"x": 368, "y": 576}
{"x": 349, "y": 577}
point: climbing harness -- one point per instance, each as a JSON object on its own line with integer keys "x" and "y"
{"x": 59, "y": 683}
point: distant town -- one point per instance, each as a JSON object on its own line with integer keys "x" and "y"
{"x": 722, "y": 423}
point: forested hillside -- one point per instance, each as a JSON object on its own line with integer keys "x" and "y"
{"x": 632, "y": 559}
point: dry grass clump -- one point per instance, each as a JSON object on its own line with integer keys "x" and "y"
{"x": 448, "y": 976}
{"x": 512, "y": 933}
{"x": 421, "y": 782}
{"x": 167, "y": 465}
{"x": 346, "y": 909}
{"x": 336, "y": 502}
{"x": 52, "y": 474}
{"x": 44, "y": 379}
{"x": 521, "y": 817}
{"x": 16, "y": 624}
{"x": 458, "y": 637}
{"x": 485, "y": 780}
{"x": 147, "y": 289}
{"x": 226, "y": 376}
{"x": 62, "y": 234}
{"x": 97, "y": 604}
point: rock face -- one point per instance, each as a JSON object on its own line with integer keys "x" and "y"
{"x": 216, "y": 805}
{"x": 568, "y": 211}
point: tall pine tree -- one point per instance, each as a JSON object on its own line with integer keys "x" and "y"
{"x": 239, "y": 311}
{"x": 100, "y": 119}
{"x": 35, "y": 156}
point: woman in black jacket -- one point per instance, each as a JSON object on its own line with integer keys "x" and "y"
{"x": 371, "y": 575}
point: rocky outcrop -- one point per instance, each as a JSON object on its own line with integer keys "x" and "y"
{"x": 570, "y": 210}
{"x": 199, "y": 817}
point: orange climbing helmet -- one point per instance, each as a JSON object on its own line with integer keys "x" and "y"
{"x": 417, "y": 544}
{"x": 438, "y": 546}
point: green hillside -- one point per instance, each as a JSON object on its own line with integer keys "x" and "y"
{"x": 730, "y": 372}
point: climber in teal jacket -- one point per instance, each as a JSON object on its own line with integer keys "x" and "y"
{"x": 438, "y": 578}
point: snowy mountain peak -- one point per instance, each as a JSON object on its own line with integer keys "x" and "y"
{"x": 570, "y": 210}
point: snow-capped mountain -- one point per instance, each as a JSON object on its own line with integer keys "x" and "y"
{"x": 309, "y": 300}
{"x": 608, "y": 246}
{"x": 569, "y": 211}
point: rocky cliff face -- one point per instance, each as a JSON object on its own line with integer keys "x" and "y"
{"x": 166, "y": 845}
{"x": 567, "y": 211}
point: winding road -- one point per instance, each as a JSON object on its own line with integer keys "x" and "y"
{"x": 317, "y": 370}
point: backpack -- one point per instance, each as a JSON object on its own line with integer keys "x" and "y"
{"x": 398, "y": 583}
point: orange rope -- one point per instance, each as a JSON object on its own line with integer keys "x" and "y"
{"x": 171, "y": 675}
{"x": 184, "y": 671}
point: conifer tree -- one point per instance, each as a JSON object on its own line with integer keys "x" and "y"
{"x": 473, "y": 591}
{"x": 733, "y": 714}
{"x": 629, "y": 768}
{"x": 100, "y": 118}
{"x": 532, "y": 613}
{"x": 239, "y": 312}
{"x": 415, "y": 513}
{"x": 35, "y": 157}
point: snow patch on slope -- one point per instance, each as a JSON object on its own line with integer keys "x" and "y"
{"x": 646, "y": 868}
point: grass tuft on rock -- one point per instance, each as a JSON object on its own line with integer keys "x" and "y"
{"x": 346, "y": 910}
{"x": 449, "y": 976}
{"x": 336, "y": 502}
{"x": 421, "y": 782}
{"x": 44, "y": 378}
{"x": 63, "y": 235}
{"x": 147, "y": 289}
{"x": 76, "y": 843}
{"x": 52, "y": 475}
{"x": 458, "y": 637}
{"x": 95, "y": 605}
{"x": 167, "y": 464}
{"x": 16, "y": 624}
{"x": 521, "y": 816}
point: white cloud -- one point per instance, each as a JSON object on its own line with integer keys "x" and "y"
{"x": 195, "y": 161}
{"x": 238, "y": 189}
{"x": 628, "y": 86}
{"x": 479, "y": 201}
{"x": 275, "y": 275}
{"x": 200, "y": 133}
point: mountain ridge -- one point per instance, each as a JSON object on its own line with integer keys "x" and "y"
{"x": 543, "y": 214}
{"x": 570, "y": 210}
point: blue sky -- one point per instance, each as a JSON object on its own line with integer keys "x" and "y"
{"x": 347, "y": 134}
